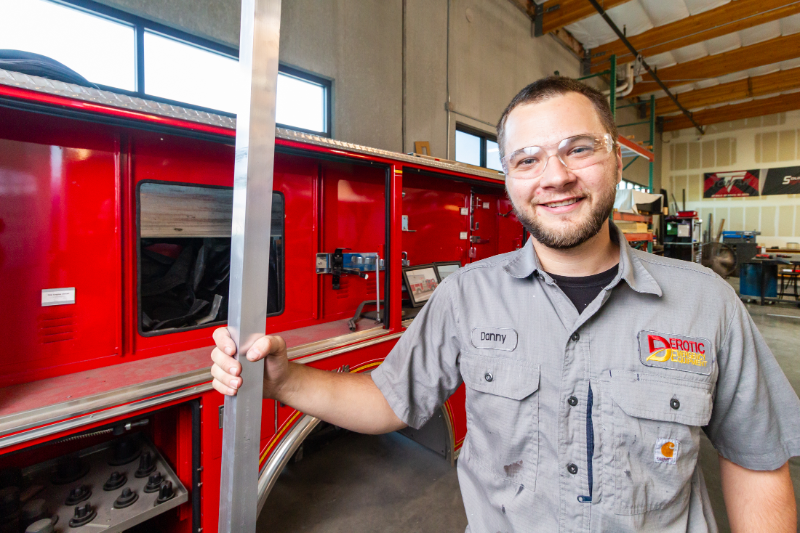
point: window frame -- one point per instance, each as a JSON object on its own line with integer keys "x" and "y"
{"x": 483, "y": 136}
{"x": 141, "y": 25}
{"x": 281, "y": 266}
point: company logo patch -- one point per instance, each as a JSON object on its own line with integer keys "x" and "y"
{"x": 676, "y": 352}
{"x": 494, "y": 338}
{"x": 666, "y": 451}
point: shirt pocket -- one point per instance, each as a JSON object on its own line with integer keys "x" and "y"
{"x": 502, "y": 417}
{"x": 656, "y": 441}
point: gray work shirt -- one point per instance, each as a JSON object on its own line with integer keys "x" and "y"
{"x": 669, "y": 350}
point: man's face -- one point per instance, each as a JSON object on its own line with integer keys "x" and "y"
{"x": 561, "y": 208}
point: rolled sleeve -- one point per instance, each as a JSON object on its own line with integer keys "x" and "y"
{"x": 421, "y": 372}
{"x": 756, "y": 418}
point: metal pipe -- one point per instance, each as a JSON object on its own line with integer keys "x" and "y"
{"x": 652, "y": 135}
{"x": 378, "y": 286}
{"x": 650, "y": 71}
{"x": 634, "y": 123}
{"x": 594, "y": 75}
{"x": 613, "y": 81}
{"x": 250, "y": 244}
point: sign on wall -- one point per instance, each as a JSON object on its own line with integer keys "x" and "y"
{"x": 737, "y": 183}
{"x": 781, "y": 180}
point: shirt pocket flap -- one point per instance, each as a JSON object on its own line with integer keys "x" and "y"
{"x": 500, "y": 376}
{"x": 657, "y": 400}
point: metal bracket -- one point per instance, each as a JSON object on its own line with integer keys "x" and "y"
{"x": 339, "y": 263}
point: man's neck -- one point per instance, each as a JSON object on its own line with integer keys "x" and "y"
{"x": 594, "y": 256}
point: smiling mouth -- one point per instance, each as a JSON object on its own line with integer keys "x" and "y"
{"x": 562, "y": 203}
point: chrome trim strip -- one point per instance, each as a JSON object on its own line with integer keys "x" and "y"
{"x": 54, "y": 413}
{"x": 334, "y": 342}
{"x": 102, "y": 415}
{"x": 85, "y": 410}
{"x": 109, "y": 98}
{"x": 280, "y": 457}
{"x": 331, "y": 353}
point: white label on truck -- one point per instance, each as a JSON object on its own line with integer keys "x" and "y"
{"x": 463, "y": 236}
{"x": 465, "y": 211}
{"x": 486, "y": 205}
{"x": 63, "y": 296}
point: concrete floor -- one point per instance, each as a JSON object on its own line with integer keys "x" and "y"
{"x": 359, "y": 483}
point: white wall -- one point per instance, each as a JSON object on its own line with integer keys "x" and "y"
{"x": 762, "y": 142}
{"x": 358, "y": 45}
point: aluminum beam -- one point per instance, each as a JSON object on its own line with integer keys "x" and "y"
{"x": 250, "y": 235}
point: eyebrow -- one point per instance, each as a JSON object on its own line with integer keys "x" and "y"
{"x": 587, "y": 134}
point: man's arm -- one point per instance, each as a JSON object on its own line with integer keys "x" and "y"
{"x": 758, "y": 501}
{"x": 351, "y": 401}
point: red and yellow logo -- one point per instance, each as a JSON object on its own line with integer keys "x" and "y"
{"x": 676, "y": 350}
{"x": 668, "y": 449}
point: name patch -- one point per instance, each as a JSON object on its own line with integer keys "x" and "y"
{"x": 666, "y": 451}
{"x": 495, "y": 338}
{"x": 676, "y": 352}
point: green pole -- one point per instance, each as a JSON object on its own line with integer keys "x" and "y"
{"x": 613, "y": 83}
{"x": 652, "y": 135}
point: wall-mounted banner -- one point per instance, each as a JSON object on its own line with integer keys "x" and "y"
{"x": 736, "y": 183}
{"x": 781, "y": 180}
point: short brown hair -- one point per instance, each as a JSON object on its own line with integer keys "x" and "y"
{"x": 549, "y": 87}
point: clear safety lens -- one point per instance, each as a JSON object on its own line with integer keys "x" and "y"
{"x": 574, "y": 153}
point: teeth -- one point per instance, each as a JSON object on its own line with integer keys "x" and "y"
{"x": 559, "y": 204}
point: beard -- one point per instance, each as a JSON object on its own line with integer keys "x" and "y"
{"x": 574, "y": 234}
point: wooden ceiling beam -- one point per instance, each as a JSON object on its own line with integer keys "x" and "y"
{"x": 560, "y": 13}
{"x": 757, "y": 55}
{"x": 777, "y": 82}
{"x": 723, "y": 20}
{"x": 755, "y": 108}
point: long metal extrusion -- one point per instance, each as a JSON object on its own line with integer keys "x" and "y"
{"x": 650, "y": 71}
{"x": 250, "y": 239}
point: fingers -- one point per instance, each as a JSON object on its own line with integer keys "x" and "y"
{"x": 264, "y": 346}
{"x": 224, "y": 382}
{"x": 223, "y": 341}
{"x": 226, "y": 363}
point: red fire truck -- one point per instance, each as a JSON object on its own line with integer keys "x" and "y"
{"x": 115, "y": 224}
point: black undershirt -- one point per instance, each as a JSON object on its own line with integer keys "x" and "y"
{"x": 582, "y": 291}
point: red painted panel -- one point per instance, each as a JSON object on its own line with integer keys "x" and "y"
{"x": 354, "y": 217}
{"x": 433, "y": 206}
{"x": 510, "y": 231}
{"x": 58, "y": 228}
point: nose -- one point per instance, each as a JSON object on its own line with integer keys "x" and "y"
{"x": 556, "y": 175}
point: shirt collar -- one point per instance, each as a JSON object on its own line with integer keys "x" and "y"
{"x": 525, "y": 262}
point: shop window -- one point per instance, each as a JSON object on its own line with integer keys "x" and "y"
{"x": 184, "y": 256}
{"x": 100, "y": 49}
{"x": 477, "y": 148}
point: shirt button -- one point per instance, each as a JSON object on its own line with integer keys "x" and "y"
{"x": 573, "y": 401}
{"x": 674, "y": 403}
{"x": 576, "y": 337}
{"x": 488, "y": 376}
{"x": 572, "y": 468}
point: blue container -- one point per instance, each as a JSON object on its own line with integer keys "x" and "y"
{"x": 750, "y": 279}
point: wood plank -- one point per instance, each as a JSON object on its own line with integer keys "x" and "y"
{"x": 565, "y": 12}
{"x": 723, "y": 20}
{"x": 169, "y": 210}
{"x": 757, "y": 55}
{"x": 756, "y": 108}
{"x": 776, "y": 82}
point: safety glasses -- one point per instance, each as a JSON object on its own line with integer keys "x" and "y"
{"x": 575, "y": 153}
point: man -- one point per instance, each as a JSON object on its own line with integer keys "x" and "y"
{"x": 590, "y": 368}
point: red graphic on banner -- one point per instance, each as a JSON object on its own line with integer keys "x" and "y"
{"x": 737, "y": 183}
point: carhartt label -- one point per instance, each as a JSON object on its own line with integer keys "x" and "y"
{"x": 495, "y": 338}
{"x": 63, "y": 296}
{"x": 676, "y": 352}
{"x": 666, "y": 451}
